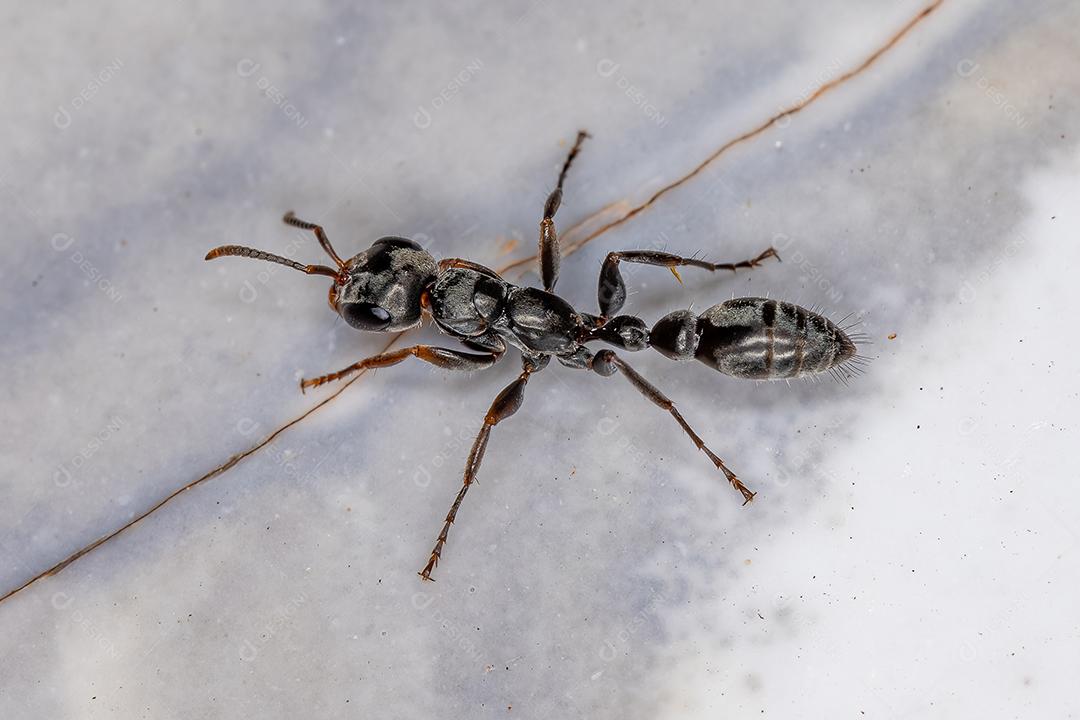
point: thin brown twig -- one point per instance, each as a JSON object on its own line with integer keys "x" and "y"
{"x": 213, "y": 473}
{"x": 571, "y": 248}
{"x": 568, "y": 250}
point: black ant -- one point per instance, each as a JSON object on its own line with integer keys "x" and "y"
{"x": 393, "y": 284}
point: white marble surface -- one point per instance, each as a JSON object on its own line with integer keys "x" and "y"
{"x": 912, "y": 552}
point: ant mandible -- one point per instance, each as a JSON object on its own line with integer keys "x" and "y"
{"x": 392, "y": 285}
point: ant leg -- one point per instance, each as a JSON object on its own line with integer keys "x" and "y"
{"x": 606, "y": 362}
{"x": 506, "y": 404}
{"x": 549, "y": 241}
{"x": 438, "y": 356}
{"x": 611, "y": 293}
{"x": 447, "y": 263}
{"x": 291, "y": 219}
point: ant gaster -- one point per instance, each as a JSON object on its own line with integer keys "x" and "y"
{"x": 391, "y": 286}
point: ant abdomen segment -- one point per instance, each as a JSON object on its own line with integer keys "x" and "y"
{"x": 755, "y": 338}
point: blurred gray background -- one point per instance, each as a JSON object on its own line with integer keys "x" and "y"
{"x": 911, "y": 552}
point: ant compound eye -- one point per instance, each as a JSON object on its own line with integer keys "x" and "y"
{"x": 365, "y": 316}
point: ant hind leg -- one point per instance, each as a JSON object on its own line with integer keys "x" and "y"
{"x": 607, "y": 363}
{"x": 611, "y": 292}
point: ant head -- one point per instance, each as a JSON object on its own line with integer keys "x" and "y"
{"x": 379, "y": 290}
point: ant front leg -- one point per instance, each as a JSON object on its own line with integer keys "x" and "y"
{"x": 506, "y": 404}
{"x": 606, "y": 363}
{"x": 611, "y": 293}
{"x": 438, "y": 356}
{"x": 549, "y": 241}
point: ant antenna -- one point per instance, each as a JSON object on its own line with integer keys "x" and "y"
{"x": 240, "y": 251}
{"x": 291, "y": 219}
